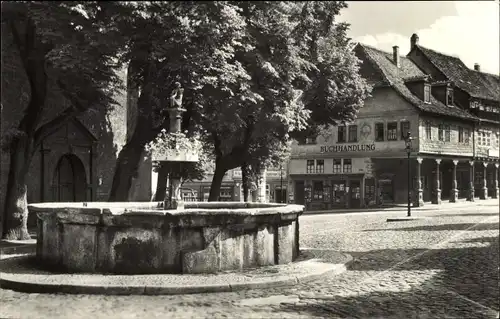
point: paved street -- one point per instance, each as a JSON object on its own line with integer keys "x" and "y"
{"x": 442, "y": 267}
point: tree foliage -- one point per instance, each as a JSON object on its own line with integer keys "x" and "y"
{"x": 62, "y": 46}
{"x": 254, "y": 73}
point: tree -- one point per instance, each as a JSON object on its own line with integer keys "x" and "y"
{"x": 303, "y": 75}
{"x": 256, "y": 72}
{"x": 62, "y": 46}
{"x": 177, "y": 41}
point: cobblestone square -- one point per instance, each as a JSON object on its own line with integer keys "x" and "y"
{"x": 445, "y": 266}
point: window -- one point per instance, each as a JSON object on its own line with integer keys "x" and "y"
{"x": 320, "y": 166}
{"x": 427, "y": 93}
{"x": 392, "y": 131}
{"x": 466, "y": 136}
{"x": 447, "y": 133}
{"x": 405, "y": 128}
{"x": 353, "y": 133}
{"x": 449, "y": 97}
{"x": 428, "y": 131}
{"x": 337, "y": 165}
{"x": 460, "y": 134}
{"x": 379, "y": 132}
{"x": 310, "y": 166}
{"x": 311, "y": 140}
{"x": 441, "y": 132}
{"x": 341, "y": 134}
{"x": 488, "y": 139}
{"x": 318, "y": 190}
{"x": 347, "y": 166}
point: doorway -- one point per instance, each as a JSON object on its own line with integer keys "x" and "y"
{"x": 299, "y": 192}
{"x": 280, "y": 195}
{"x": 355, "y": 194}
{"x": 70, "y": 180}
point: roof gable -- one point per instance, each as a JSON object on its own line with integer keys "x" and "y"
{"x": 476, "y": 84}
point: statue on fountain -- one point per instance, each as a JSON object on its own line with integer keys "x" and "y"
{"x": 176, "y": 96}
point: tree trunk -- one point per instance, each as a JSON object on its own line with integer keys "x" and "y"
{"x": 128, "y": 160}
{"x": 127, "y": 165}
{"x": 245, "y": 182}
{"x": 161, "y": 185}
{"x": 219, "y": 173}
{"x": 15, "y": 224}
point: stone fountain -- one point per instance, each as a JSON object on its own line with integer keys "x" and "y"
{"x": 169, "y": 236}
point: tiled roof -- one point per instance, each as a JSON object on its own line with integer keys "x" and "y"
{"x": 396, "y": 77}
{"x": 477, "y": 84}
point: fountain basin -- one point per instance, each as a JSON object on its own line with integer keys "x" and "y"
{"x": 142, "y": 238}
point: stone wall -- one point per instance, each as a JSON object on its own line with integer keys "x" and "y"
{"x": 204, "y": 238}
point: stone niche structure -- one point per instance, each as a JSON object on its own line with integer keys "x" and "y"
{"x": 142, "y": 238}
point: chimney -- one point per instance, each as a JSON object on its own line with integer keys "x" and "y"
{"x": 477, "y": 67}
{"x": 413, "y": 41}
{"x": 395, "y": 56}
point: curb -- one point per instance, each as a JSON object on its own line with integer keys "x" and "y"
{"x": 405, "y": 219}
{"x": 53, "y": 288}
{"x": 437, "y": 208}
{"x": 19, "y": 249}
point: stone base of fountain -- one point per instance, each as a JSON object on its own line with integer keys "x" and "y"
{"x": 142, "y": 238}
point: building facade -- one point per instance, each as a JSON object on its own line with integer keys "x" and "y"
{"x": 271, "y": 187}
{"x": 452, "y": 114}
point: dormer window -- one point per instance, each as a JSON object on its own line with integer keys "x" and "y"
{"x": 427, "y": 93}
{"x": 449, "y": 97}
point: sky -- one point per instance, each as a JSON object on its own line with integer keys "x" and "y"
{"x": 467, "y": 29}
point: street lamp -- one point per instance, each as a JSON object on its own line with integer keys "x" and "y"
{"x": 281, "y": 182}
{"x": 408, "y": 140}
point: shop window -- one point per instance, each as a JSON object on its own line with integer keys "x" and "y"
{"x": 427, "y": 93}
{"x": 447, "y": 133}
{"x": 310, "y": 166}
{"x": 405, "y": 128}
{"x": 225, "y": 195}
{"x": 320, "y": 166}
{"x": 338, "y": 193}
{"x": 353, "y": 133}
{"x": 337, "y": 165}
{"x": 189, "y": 195}
{"x": 370, "y": 197}
{"x": 392, "y": 131}
{"x": 318, "y": 190}
{"x": 348, "y": 166}
{"x": 379, "y": 132}
{"x": 460, "y": 134}
{"x": 341, "y": 136}
{"x": 441, "y": 132}
{"x": 428, "y": 131}
{"x": 326, "y": 193}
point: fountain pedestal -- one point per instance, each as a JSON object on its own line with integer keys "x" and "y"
{"x": 175, "y": 157}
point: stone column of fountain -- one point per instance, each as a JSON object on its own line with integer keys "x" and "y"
{"x": 175, "y": 158}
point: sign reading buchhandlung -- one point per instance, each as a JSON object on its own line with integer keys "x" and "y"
{"x": 348, "y": 148}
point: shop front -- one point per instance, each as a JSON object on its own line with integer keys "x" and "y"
{"x": 330, "y": 191}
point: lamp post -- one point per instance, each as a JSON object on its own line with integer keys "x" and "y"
{"x": 408, "y": 140}
{"x": 281, "y": 183}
